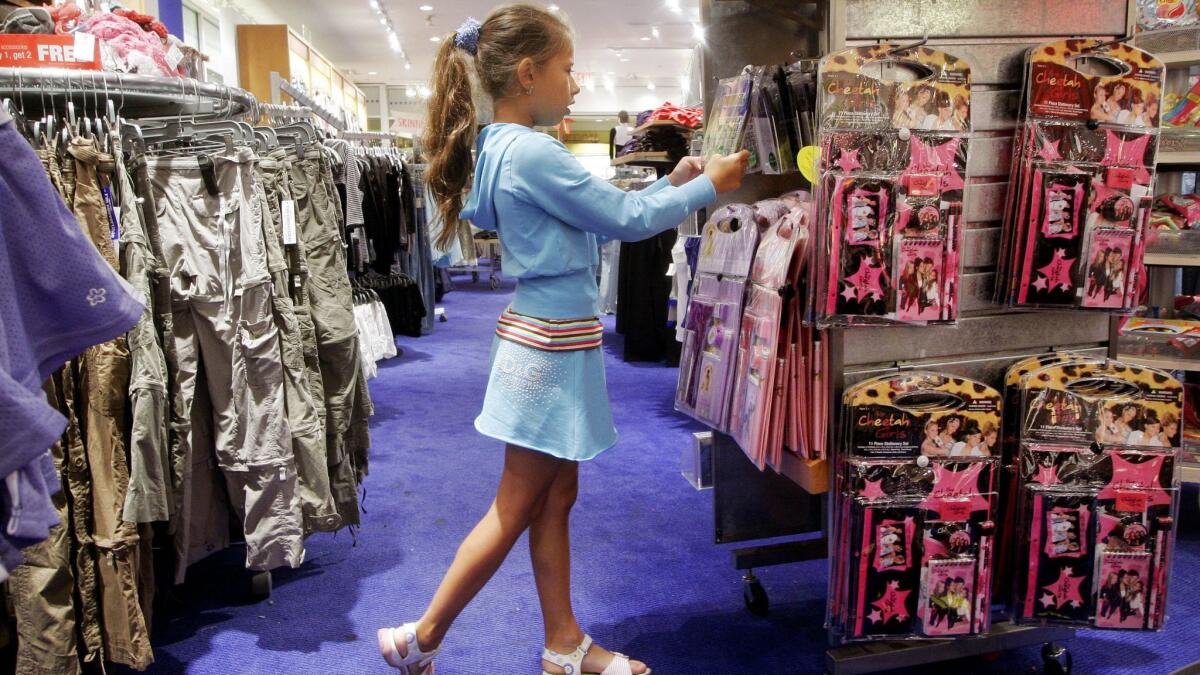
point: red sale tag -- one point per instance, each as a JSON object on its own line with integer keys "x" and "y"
{"x": 1120, "y": 178}
{"x": 47, "y": 51}
{"x": 956, "y": 510}
{"x": 1133, "y": 502}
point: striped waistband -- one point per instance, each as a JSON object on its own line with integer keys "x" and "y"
{"x": 548, "y": 335}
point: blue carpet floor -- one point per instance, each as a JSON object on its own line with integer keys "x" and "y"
{"x": 648, "y": 579}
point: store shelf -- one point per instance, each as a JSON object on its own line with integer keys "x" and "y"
{"x": 1156, "y": 259}
{"x": 1177, "y": 158}
{"x": 644, "y": 158}
{"x": 1173, "y": 46}
{"x": 660, "y": 124}
{"x": 874, "y": 657}
{"x": 1189, "y": 472}
{"x": 1160, "y": 362}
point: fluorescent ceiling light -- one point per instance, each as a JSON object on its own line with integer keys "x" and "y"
{"x": 654, "y": 31}
{"x": 407, "y": 66}
{"x": 372, "y": 72}
{"x": 645, "y": 38}
{"x": 426, "y": 8}
{"x": 650, "y": 86}
{"x": 435, "y": 39}
{"x": 624, "y": 60}
{"x": 552, "y": 7}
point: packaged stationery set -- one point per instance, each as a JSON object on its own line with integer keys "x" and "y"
{"x": 914, "y": 508}
{"x": 1082, "y": 182}
{"x": 1097, "y": 495}
{"x": 893, "y": 172}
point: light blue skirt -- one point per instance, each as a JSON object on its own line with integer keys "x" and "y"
{"x": 552, "y": 402}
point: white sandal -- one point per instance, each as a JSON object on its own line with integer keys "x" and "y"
{"x": 572, "y": 664}
{"x": 416, "y": 662}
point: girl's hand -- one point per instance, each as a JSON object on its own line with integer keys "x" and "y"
{"x": 726, "y": 172}
{"x": 687, "y": 169}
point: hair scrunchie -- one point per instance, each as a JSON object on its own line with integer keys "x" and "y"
{"x": 466, "y": 37}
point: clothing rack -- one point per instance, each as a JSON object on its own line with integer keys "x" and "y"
{"x": 367, "y": 136}
{"x": 280, "y": 86}
{"x": 282, "y": 112}
{"x": 137, "y": 96}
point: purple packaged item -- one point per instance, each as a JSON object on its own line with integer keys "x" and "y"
{"x": 714, "y": 318}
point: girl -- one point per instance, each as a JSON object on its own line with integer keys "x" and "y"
{"x": 1170, "y": 426}
{"x": 546, "y": 397}
{"x": 932, "y": 445}
{"x": 903, "y": 118}
{"x": 962, "y": 113}
{"x": 943, "y": 119}
{"x": 1100, "y": 105}
{"x": 1123, "y": 425}
{"x": 949, "y": 435}
{"x": 1149, "y": 434}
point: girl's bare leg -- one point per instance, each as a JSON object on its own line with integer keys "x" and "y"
{"x": 524, "y": 486}
{"x": 550, "y": 550}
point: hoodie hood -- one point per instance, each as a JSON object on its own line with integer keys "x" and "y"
{"x": 490, "y": 150}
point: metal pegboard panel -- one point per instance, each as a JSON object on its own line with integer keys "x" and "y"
{"x": 975, "y": 291}
{"x": 985, "y": 202}
{"x": 973, "y": 335}
{"x": 988, "y": 369}
{"x": 995, "y": 110}
{"x": 868, "y": 19}
{"x": 980, "y": 246}
{"x": 990, "y": 156}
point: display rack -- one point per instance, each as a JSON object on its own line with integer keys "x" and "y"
{"x": 661, "y": 124}
{"x": 137, "y": 96}
{"x": 987, "y": 339}
{"x": 652, "y": 159}
{"x": 280, "y": 86}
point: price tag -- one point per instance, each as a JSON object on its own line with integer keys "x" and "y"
{"x": 174, "y": 56}
{"x": 114, "y": 224}
{"x": 85, "y": 46}
{"x": 287, "y": 210}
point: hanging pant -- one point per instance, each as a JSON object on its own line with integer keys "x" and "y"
{"x": 41, "y": 590}
{"x": 304, "y": 408}
{"x": 347, "y": 405}
{"x": 227, "y": 347}
{"x": 104, "y": 376}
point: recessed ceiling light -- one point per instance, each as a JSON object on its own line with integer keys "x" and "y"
{"x": 552, "y": 7}
{"x": 624, "y": 60}
{"x": 426, "y": 8}
{"x": 650, "y": 86}
{"x": 645, "y": 38}
{"x": 372, "y": 72}
{"x": 435, "y": 39}
{"x": 408, "y": 66}
{"x": 654, "y": 31}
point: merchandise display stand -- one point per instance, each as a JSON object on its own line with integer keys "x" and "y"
{"x": 987, "y": 339}
{"x": 280, "y": 86}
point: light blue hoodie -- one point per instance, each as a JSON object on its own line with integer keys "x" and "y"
{"x": 550, "y": 210}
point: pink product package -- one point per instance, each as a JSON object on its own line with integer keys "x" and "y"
{"x": 713, "y": 323}
{"x": 761, "y": 364}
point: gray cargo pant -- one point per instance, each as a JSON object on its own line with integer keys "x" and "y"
{"x": 347, "y": 403}
{"x": 302, "y": 374}
{"x": 225, "y": 335}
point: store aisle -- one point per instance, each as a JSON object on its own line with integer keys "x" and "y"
{"x": 650, "y": 582}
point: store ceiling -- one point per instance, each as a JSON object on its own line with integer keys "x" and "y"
{"x": 615, "y": 37}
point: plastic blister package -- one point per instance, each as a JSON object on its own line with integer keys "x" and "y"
{"x": 1098, "y": 494}
{"x": 914, "y": 510}
{"x": 1156, "y": 14}
{"x": 893, "y": 172}
{"x": 714, "y": 318}
{"x": 1082, "y": 179}
{"x": 763, "y": 384}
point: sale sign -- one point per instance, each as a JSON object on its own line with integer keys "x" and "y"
{"x": 49, "y": 51}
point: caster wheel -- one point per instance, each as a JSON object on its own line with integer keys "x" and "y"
{"x": 755, "y": 596}
{"x": 475, "y": 276}
{"x": 443, "y": 318}
{"x": 494, "y": 283}
{"x": 1056, "y": 659}
{"x": 261, "y": 585}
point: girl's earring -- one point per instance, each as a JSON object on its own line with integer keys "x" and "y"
{"x": 529, "y": 91}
